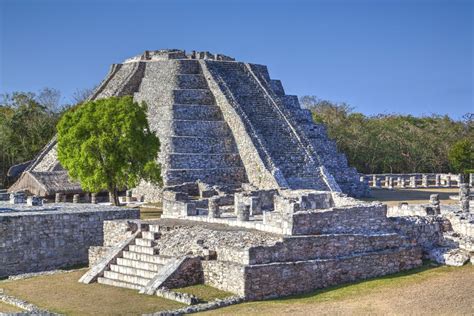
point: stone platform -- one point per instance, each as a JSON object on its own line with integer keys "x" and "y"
{"x": 40, "y": 238}
{"x": 300, "y": 241}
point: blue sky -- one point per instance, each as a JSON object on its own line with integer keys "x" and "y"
{"x": 381, "y": 56}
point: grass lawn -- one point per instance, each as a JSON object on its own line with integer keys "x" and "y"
{"x": 7, "y": 308}
{"x": 205, "y": 293}
{"x": 412, "y": 196}
{"x": 62, "y": 293}
{"x": 424, "y": 291}
{"x": 154, "y": 210}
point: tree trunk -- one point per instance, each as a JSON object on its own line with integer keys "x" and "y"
{"x": 114, "y": 196}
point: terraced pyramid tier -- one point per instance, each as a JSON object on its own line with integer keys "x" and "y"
{"x": 222, "y": 122}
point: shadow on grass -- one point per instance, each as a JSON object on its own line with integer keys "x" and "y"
{"x": 427, "y": 265}
{"x": 76, "y": 267}
{"x": 407, "y": 194}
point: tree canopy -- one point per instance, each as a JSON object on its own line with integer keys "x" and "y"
{"x": 394, "y": 143}
{"x": 107, "y": 145}
{"x": 27, "y": 122}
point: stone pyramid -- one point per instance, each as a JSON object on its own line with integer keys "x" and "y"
{"x": 220, "y": 121}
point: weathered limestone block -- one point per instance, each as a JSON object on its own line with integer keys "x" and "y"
{"x": 17, "y": 198}
{"x": 424, "y": 181}
{"x": 434, "y": 200}
{"x": 214, "y": 210}
{"x": 58, "y": 197}
{"x": 401, "y": 182}
{"x": 75, "y": 198}
{"x": 34, "y": 201}
{"x": 451, "y": 257}
{"x": 243, "y": 212}
{"x": 413, "y": 182}
{"x": 464, "y": 197}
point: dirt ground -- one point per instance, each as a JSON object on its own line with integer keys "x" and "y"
{"x": 7, "y": 308}
{"x": 438, "y": 291}
{"x": 412, "y": 196}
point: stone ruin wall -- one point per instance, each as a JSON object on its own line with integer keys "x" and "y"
{"x": 197, "y": 107}
{"x": 40, "y": 241}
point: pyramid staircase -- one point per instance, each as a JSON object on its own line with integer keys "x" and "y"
{"x": 196, "y": 141}
{"x": 278, "y": 138}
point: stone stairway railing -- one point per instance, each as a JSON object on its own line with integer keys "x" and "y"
{"x": 224, "y": 94}
{"x": 303, "y": 144}
{"x": 113, "y": 70}
{"x": 98, "y": 269}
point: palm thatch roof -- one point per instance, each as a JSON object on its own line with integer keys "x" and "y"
{"x": 46, "y": 183}
{"x": 16, "y": 170}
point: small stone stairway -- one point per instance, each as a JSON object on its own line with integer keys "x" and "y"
{"x": 138, "y": 264}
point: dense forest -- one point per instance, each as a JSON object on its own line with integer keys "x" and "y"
{"x": 373, "y": 144}
{"x": 27, "y": 122}
{"x": 394, "y": 143}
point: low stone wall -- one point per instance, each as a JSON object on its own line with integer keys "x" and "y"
{"x": 224, "y": 275}
{"x": 283, "y": 279}
{"x": 354, "y": 219}
{"x": 55, "y": 236}
{"x": 425, "y": 231}
{"x": 323, "y": 247}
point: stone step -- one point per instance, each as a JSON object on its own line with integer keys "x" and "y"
{"x": 181, "y": 81}
{"x": 191, "y": 81}
{"x": 132, "y": 271}
{"x": 196, "y": 144}
{"x": 196, "y": 112}
{"x": 316, "y": 183}
{"x": 156, "y": 69}
{"x": 188, "y": 112}
{"x": 211, "y": 176}
{"x": 193, "y": 96}
{"x": 144, "y": 242}
{"x": 203, "y": 161}
{"x": 117, "y": 283}
{"x": 143, "y": 249}
{"x": 139, "y": 264}
{"x": 197, "y": 128}
{"x": 145, "y": 257}
{"x": 151, "y": 235}
{"x": 133, "y": 279}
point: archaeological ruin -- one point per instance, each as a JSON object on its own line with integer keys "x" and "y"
{"x": 219, "y": 121}
{"x": 257, "y": 201}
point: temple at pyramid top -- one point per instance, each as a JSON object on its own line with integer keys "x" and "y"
{"x": 220, "y": 121}
{"x": 166, "y": 54}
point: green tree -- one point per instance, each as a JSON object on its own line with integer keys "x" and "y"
{"x": 27, "y": 122}
{"x": 461, "y": 155}
{"x": 107, "y": 145}
{"x": 391, "y": 142}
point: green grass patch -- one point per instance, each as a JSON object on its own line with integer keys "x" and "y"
{"x": 62, "y": 293}
{"x": 204, "y": 292}
{"x": 150, "y": 213}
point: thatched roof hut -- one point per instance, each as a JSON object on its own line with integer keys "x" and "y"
{"x": 46, "y": 183}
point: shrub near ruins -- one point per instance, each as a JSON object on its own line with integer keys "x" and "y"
{"x": 107, "y": 145}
